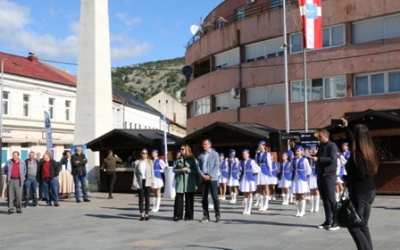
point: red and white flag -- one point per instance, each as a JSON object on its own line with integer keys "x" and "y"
{"x": 311, "y": 15}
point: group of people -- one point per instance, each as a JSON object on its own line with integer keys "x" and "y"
{"x": 33, "y": 173}
{"x": 319, "y": 171}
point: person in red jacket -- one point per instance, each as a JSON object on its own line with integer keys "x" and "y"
{"x": 15, "y": 170}
{"x": 49, "y": 171}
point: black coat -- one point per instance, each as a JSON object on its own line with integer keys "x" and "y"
{"x": 327, "y": 159}
{"x": 54, "y": 169}
{"x": 82, "y": 163}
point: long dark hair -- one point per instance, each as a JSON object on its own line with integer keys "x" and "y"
{"x": 363, "y": 143}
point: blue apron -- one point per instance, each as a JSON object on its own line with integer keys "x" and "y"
{"x": 274, "y": 170}
{"x": 299, "y": 169}
{"x": 233, "y": 170}
{"x": 224, "y": 170}
{"x": 247, "y": 170}
{"x": 287, "y": 174}
{"x": 157, "y": 169}
{"x": 263, "y": 163}
{"x": 314, "y": 169}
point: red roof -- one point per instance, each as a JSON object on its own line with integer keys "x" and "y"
{"x": 32, "y": 68}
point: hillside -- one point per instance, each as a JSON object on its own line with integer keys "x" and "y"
{"x": 148, "y": 79}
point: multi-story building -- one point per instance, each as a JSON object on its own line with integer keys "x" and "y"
{"x": 240, "y": 48}
{"x": 31, "y": 87}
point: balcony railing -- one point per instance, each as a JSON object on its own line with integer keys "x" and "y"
{"x": 221, "y": 22}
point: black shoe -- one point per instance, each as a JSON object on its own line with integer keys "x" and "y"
{"x": 78, "y": 201}
{"x": 34, "y": 205}
{"x": 57, "y": 205}
{"x": 141, "y": 219}
{"x": 218, "y": 219}
{"x": 48, "y": 205}
{"x": 324, "y": 225}
{"x": 110, "y": 197}
{"x": 87, "y": 200}
{"x": 188, "y": 219}
{"x": 176, "y": 219}
{"x": 19, "y": 211}
{"x": 146, "y": 218}
{"x": 10, "y": 212}
{"x": 24, "y": 206}
{"x": 333, "y": 227}
{"x": 205, "y": 219}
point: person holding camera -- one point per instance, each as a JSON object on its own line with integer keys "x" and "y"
{"x": 110, "y": 166}
{"x": 361, "y": 167}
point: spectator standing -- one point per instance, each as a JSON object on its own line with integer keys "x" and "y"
{"x": 15, "y": 170}
{"x": 325, "y": 160}
{"x": 361, "y": 167}
{"x": 49, "y": 171}
{"x": 110, "y": 167}
{"x": 208, "y": 170}
{"x": 31, "y": 179}
{"x": 79, "y": 162}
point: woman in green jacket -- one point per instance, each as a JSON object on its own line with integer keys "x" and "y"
{"x": 185, "y": 170}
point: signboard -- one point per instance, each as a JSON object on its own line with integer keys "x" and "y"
{"x": 307, "y": 139}
{"x": 55, "y": 136}
{"x": 7, "y": 133}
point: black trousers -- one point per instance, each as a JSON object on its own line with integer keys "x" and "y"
{"x": 213, "y": 186}
{"x": 361, "y": 235}
{"x": 189, "y": 206}
{"x": 144, "y": 193}
{"x": 326, "y": 186}
{"x": 111, "y": 177}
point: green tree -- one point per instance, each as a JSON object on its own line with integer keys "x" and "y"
{"x": 126, "y": 79}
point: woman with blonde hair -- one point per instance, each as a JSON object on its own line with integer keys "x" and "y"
{"x": 185, "y": 171}
{"x": 143, "y": 180}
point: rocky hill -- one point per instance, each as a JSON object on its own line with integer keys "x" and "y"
{"x": 148, "y": 79}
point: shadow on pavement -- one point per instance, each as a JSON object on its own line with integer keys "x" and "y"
{"x": 208, "y": 247}
{"x": 235, "y": 221}
{"x": 390, "y": 208}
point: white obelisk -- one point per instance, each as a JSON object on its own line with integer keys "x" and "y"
{"x": 93, "y": 115}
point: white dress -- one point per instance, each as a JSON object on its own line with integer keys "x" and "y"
{"x": 221, "y": 179}
{"x": 274, "y": 179}
{"x": 299, "y": 186}
{"x": 232, "y": 182}
{"x": 247, "y": 185}
{"x": 338, "y": 168}
{"x": 158, "y": 182}
{"x": 283, "y": 182}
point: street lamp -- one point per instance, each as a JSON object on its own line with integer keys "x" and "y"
{"x": 1, "y": 111}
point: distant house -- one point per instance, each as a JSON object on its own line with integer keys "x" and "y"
{"x": 32, "y": 87}
{"x": 176, "y": 111}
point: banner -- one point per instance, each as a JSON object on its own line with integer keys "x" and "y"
{"x": 49, "y": 136}
{"x": 311, "y": 15}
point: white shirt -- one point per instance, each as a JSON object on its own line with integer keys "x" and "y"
{"x": 142, "y": 168}
{"x": 69, "y": 166}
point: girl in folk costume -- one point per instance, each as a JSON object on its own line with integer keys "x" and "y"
{"x": 290, "y": 159}
{"x": 274, "y": 178}
{"x": 233, "y": 176}
{"x": 223, "y": 176}
{"x": 344, "y": 157}
{"x": 306, "y": 153}
{"x": 265, "y": 178}
{"x": 300, "y": 169}
{"x": 312, "y": 182}
{"x": 259, "y": 190}
{"x": 247, "y": 180}
{"x": 232, "y": 151}
{"x": 285, "y": 178}
{"x": 339, "y": 172}
{"x": 159, "y": 166}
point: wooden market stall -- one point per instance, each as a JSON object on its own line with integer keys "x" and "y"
{"x": 127, "y": 143}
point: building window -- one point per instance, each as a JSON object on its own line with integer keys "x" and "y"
{"x": 276, "y": 4}
{"x": 25, "y": 105}
{"x": 377, "y": 83}
{"x": 240, "y": 13}
{"x": 266, "y": 49}
{"x": 376, "y": 29}
{"x": 51, "y": 108}
{"x": 331, "y": 37}
{"x": 227, "y": 59}
{"x": 67, "y": 109}
{"x": 5, "y": 102}
{"x": 202, "y": 106}
{"x": 318, "y": 89}
{"x": 218, "y": 24}
{"x": 267, "y": 95}
{"x": 225, "y": 101}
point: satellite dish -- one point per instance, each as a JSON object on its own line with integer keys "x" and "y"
{"x": 194, "y": 29}
{"x": 187, "y": 71}
{"x": 235, "y": 92}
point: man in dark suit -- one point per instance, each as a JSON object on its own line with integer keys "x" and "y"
{"x": 208, "y": 171}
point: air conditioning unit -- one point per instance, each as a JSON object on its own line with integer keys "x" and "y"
{"x": 250, "y": 1}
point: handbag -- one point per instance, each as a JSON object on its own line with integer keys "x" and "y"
{"x": 346, "y": 214}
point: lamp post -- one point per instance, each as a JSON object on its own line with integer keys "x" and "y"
{"x": 1, "y": 111}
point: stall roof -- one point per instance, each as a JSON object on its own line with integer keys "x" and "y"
{"x": 226, "y": 131}
{"x": 130, "y": 138}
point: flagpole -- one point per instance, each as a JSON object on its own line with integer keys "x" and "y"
{"x": 305, "y": 89}
{"x": 285, "y": 55}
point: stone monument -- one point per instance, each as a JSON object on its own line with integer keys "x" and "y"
{"x": 93, "y": 116}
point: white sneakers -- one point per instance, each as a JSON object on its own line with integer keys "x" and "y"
{"x": 233, "y": 199}
{"x": 246, "y": 204}
{"x": 156, "y": 204}
{"x": 265, "y": 200}
{"x": 257, "y": 199}
{"x": 314, "y": 204}
{"x": 301, "y": 208}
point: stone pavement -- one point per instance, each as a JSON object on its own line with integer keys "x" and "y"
{"x": 113, "y": 224}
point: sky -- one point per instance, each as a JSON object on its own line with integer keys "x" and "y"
{"x": 140, "y": 30}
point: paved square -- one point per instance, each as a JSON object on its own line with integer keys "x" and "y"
{"x": 114, "y": 224}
